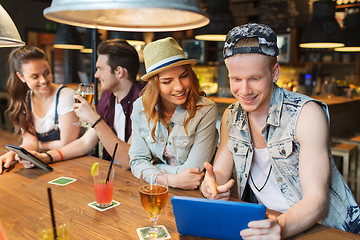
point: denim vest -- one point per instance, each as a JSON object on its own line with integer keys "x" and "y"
{"x": 279, "y": 134}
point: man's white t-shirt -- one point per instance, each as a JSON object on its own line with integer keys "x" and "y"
{"x": 65, "y": 105}
{"x": 119, "y": 121}
{"x": 270, "y": 195}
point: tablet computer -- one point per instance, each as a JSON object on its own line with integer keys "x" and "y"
{"x": 214, "y": 218}
{"x": 24, "y": 154}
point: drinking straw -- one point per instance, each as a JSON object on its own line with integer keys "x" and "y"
{"x": 111, "y": 163}
{"x": 52, "y": 213}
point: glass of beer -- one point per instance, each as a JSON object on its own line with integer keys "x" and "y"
{"x": 85, "y": 90}
{"x": 153, "y": 189}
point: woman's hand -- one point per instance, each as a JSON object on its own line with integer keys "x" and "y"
{"x": 42, "y": 156}
{"x": 6, "y": 159}
{"x": 189, "y": 178}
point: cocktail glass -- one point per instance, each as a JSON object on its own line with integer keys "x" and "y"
{"x": 103, "y": 187}
{"x": 153, "y": 189}
{"x": 63, "y": 227}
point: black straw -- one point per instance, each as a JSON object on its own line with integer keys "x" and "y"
{"x": 52, "y": 213}
{"x": 111, "y": 163}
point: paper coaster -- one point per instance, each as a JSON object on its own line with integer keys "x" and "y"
{"x": 114, "y": 204}
{"x": 163, "y": 233}
{"x": 62, "y": 181}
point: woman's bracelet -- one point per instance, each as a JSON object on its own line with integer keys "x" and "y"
{"x": 51, "y": 159}
{"x": 96, "y": 122}
{"x": 61, "y": 156}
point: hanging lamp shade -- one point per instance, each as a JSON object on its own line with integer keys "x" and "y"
{"x": 129, "y": 15}
{"x": 351, "y": 33}
{"x": 323, "y": 31}
{"x": 221, "y": 21}
{"x": 160, "y": 35}
{"x": 9, "y": 35}
{"x": 87, "y": 41}
{"x": 133, "y": 38}
{"x": 67, "y": 37}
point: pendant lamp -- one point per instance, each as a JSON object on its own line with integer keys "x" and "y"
{"x": 133, "y": 38}
{"x": 221, "y": 22}
{"x": 129, "y": 15}
{"x": 87, "y": 41}
{"x": 351, "y": 33}
{"x": 9, "y": 35}
{"x": 67, "y": 37}
{"x": 323, "y": 31}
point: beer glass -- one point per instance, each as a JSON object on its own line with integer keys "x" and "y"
{"x": 86, "y": 91}
{"x": 153, "y": 189}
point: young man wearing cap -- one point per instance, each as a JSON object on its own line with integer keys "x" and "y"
{"x": 117, "y": 68}
{"x": 278, "y": 142}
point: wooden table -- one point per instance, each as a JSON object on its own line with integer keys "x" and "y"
{"x": 23, "y": 200}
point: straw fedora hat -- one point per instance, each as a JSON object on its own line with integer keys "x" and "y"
{"x": 162, "y": 55}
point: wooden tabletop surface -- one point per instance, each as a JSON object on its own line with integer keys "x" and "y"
{"x": 23, "y": 200}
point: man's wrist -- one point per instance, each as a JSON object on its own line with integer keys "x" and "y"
{"x": 96, "y": 122}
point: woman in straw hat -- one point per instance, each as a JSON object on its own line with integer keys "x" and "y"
{"x": 173, "y": 125}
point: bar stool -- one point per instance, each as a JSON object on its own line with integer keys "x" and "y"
{"x": 349, "y": 151}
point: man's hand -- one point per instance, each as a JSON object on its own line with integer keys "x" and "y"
{"x": 263, "y": 229}
{"x": 209, "y": 187}
{"x": 84, "y": 111}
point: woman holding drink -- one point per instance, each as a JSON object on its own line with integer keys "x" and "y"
{"x": 173, "y": 125}
{"x": 41, "y": 111}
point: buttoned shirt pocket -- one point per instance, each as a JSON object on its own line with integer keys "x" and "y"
{"x": 239, "y": 150}
{"x": 182, "y": 146}
{"x": 145, "y": 133}
{"x": 285, "y": 155}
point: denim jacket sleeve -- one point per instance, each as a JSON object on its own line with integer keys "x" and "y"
{"x": 203, "y": 136}
{"x": 140, "y": 154}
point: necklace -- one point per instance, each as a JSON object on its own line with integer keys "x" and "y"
{"x": 267, "y": 178}
{"x": 166, "y": 117}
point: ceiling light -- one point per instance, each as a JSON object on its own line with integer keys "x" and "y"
{"x": 9, "y": 35}
{"x": 323, "y": 31}
{"x": 67, "y": 37}
{"x": 351, "y": 33}
{"x": 221, "y": 22}
{"x": 125, "y": 15}
{"x": 133, "y": 38}
{"x": 87, "y": 41}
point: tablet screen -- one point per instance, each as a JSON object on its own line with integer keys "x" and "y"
{"x": 24, "y": 154}
{"x": 214, "y": 218}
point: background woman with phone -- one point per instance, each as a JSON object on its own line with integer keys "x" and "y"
{"x": 41, "y": 111}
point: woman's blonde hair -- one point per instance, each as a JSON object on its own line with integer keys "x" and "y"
{"x": 151, "y": 98}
